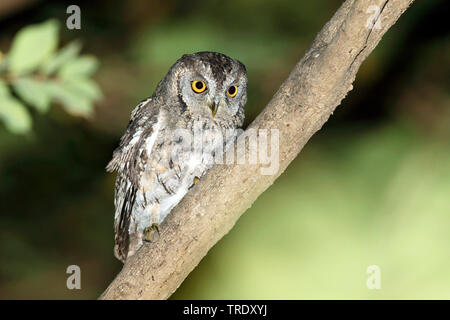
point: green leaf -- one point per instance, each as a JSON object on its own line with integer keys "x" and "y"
{"x": 14, "y": 114}
{"x": 3, "y": 88}
{"x": 32, "y": 45}
{"x": 66, "y": 54}
{"x": 83, "y": 66}
{"x": 85, "y": 87}
{"x": 34, "y": 93}
{"x": 74, "y": 102}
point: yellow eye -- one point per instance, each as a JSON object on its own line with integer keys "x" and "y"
{"x": 198, "y": 86}
{"x": 232, "y": 91}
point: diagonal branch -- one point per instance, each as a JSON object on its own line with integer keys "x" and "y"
{"x": 303, "y": 103}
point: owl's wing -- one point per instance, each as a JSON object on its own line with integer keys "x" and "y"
{"x": 132, "y": 135}
{"x": 129, "y": 160}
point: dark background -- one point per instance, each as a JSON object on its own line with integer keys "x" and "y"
{"x": 371, "y": 188}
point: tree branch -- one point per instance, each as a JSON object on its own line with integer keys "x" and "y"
{"x": 300, "y": 107}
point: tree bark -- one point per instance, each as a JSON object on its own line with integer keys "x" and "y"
{"x": 299, "y": 108}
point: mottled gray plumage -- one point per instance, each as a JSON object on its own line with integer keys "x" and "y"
{"x": 153, "y": 175}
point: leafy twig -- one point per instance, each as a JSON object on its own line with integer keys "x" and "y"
{"x": 38, "y": 75}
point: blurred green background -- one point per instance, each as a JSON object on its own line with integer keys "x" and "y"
{"x": 371, "y": 188}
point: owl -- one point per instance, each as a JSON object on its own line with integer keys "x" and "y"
{"x": 156, "y": 161}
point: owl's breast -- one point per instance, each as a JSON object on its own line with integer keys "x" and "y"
{"x": 168, "y": 175}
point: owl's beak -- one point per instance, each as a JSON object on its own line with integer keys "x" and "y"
{"x": 214, "y": 106}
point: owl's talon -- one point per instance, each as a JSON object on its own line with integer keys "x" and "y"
{"x": 149, "y": 232}
{"x": 196, "y": 179}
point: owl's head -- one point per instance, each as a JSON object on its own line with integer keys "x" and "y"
{"x": 210, "y": 84}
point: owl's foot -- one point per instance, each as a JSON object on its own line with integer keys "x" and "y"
{"x": 196, "y": 179}
{"x": 151, "y": 232}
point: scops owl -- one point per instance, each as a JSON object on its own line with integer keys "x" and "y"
{"x": 204, "y": 90}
